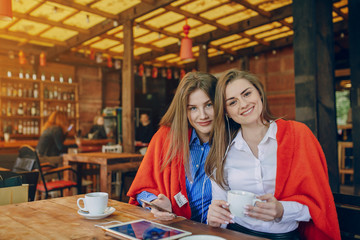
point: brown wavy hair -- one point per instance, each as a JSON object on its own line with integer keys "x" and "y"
{"x": 57, "y": 118}
{"x": 176, "y": 115}
{"x": 220, "y": 136}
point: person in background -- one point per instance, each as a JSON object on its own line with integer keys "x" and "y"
{"x": 172, "y": 173}
{"x": 280, "y": 161}
{"x": 145, "y": 131}
{"x": 53, "y": 135}
{"x": 97, "y": 131}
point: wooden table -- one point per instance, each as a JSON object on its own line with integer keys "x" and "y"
{"x": 108, "y": 162}
{"x": 57, "y": 218}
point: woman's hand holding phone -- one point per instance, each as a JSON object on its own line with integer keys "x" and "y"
{"x": 161, "y": 208}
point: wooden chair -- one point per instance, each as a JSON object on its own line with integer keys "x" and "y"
{"x": 341, "y": 160}
{"x": 46, "y": 169}
{"x": 348, "y": 210}
{"x": 25, "y": 168}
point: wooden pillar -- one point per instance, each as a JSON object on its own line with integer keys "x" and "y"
{"x": 128, "y": 90}
{"x": 354, "y": 49}
{"x": 314, "y": 76}
{"x": 203, "y": 58}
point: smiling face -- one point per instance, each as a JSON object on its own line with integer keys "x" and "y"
{"x": 243, "y": 102}
{"x": 200, "y": 113}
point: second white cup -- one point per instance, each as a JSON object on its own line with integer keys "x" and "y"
{"x": 94, "y": 203}
{"x": 238, "y": 200}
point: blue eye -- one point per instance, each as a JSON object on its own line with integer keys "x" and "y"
{"x": 247, "y": 94}
{"x": 209, "y": 105}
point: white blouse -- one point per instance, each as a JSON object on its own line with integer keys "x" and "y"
{"x": 244, "y": 171}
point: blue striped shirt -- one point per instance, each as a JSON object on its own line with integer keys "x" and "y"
{"x": 198, "y": 191}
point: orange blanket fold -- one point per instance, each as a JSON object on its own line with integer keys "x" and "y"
{"x": 302, "y": 176}
{"x": 169, "y": 182}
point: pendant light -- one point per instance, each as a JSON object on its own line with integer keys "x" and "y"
{"x": 5, "y": 10}
{"x": 186, "y": 44}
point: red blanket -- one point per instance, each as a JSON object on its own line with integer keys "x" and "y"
{"x": 302, "y": 176}
{"x": 169, "y": 182}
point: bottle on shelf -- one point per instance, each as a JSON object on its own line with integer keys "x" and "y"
{"x": 42, "y": 77}
{"x": 9, "y": 90}
{"x": 33, "y": 109}
{"x": 20, "y": 90}
{"x": 55, "y": 93}
{"x": 34, "y": 77}
{"x": 9, "y": 74}
{"x": 70, "y": 80}
{"x": 3, "y": 89}
{"x": 20, "y": 127}
{"x": 52, "y": 78}
{"x": 20, "y": 110}
{"x": 46, "y": 93}
{"x": 9, "y": 110}
{"x": 35, "y": 91}
{"x": 27, "y": 75}
{"x": 36, "y": 128}
{"x": 61, "y": 78}
{"x": 15, "y": 90}
{"x": 21, "y": 74}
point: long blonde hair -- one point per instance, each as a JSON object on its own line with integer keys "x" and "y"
{"x": 57, "y": 118}
{"x": 220, "y": 136}
{"x": 176, "y": 115}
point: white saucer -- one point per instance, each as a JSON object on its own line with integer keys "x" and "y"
{"x": 202, "y": 237}
{"x": 108, "y": 212}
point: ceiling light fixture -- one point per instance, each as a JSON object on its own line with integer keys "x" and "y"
{"x": 5, "y": 10}
{"x": 186, "y": 44}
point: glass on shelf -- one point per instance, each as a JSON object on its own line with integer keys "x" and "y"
{"x": 9, "y": 74}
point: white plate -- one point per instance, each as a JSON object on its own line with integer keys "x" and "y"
{"x": 108, "y": 212}
{"x": 202, "y": 237}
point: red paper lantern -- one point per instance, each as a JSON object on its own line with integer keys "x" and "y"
{"x": 169, "y": 73}
{"x": 22, "y": 59}
{"x": 141, "y": 70}
{"x": 109, "y": 62}
{"x": 92, "y": 54}
{"x": 155, "y": 72}
{"x": 42, "y": 59}
{"x": 182, "y": 73}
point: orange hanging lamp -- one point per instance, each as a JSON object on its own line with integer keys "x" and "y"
{"x": 186, "y": 44}
{"x": 5, "y": 10}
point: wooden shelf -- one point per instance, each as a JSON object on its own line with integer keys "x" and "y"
{"x": 42, "y": 104}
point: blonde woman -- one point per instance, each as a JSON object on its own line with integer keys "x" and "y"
{"x": 279, "y": 161}
{"x": 53, "y": 134}
{"x": 172, "y": 173}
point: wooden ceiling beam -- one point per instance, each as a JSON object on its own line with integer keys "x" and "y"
{"x": 132, "y": 13}
{"x": 197, "y": 17}
{"x": 253, "y": 7}
{"x": 84, "y": 8}
{"x": 160, "y": 30}
{"x": 135, "y": 43}
{"x": 340, "y": 13}
{"x": 49, "y": 22}
{"x": 236, "y": 28}
{"x": 31, "y": 37}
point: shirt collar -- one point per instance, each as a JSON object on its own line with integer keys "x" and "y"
{"x": 240, "y": 143}
{"x": 194, "y": 138}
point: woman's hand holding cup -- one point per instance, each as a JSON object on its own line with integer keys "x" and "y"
{"x": 219, "y": 213}
{"x": 269, "y": 209}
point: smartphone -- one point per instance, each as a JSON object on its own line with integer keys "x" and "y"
{"x": 70, "y": 127}
{"x": 153, "y": 205}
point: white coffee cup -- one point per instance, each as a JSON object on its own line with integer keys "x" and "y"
{"x": 238, "y": 200}
{"x": 94, "y": 203}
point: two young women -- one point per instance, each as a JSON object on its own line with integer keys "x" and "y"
{"x": 280, "y": 161}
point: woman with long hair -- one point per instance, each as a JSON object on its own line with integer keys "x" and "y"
{"x": 279, "y": 161}
{"x": 53, "y": 134}
{"x": 172, "y": 173}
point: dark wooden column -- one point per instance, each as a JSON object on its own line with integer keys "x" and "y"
{"x": 314, "y": 76}
{"x": 128, "y": 89}
{"x": 354, "y": 49}
{"x": 203, "y": 58}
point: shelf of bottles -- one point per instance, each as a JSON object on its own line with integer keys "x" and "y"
{"x": 26, "y": 103}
